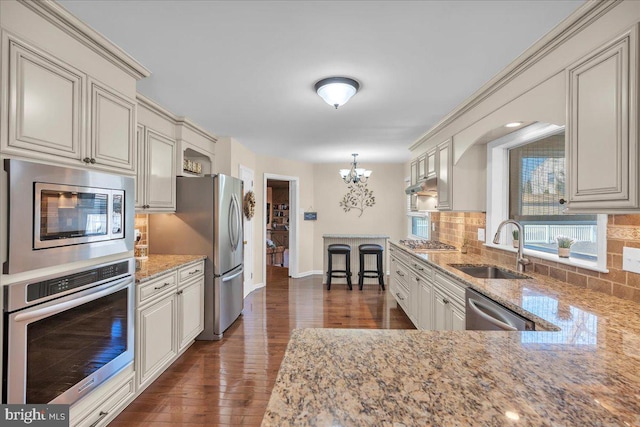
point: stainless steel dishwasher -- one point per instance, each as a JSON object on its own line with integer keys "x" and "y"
{"x": 484, "y": 314}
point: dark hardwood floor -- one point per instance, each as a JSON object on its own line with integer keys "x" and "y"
{"x": 228, "y": 382}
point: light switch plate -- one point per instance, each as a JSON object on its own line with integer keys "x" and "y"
{"x": 481, "y": 234}
{"x": 631, "y": 259}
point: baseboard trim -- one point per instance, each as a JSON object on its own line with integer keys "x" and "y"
{"x": 307, "y": 273}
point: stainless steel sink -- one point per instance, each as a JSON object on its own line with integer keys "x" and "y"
{"x": 483, "y": 271}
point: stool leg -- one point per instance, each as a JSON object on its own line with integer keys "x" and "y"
{"x": 361, "y": 273}
{"x": 348, "y": 269}
{"x": 380, "y": 270}
{"x": 329, "y": 270}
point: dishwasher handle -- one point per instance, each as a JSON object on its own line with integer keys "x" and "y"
{"x": 495, "y": 318}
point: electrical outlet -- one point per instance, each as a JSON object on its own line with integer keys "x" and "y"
{"x": 631, "y": 259}
{"x": 433, "y": 226}
{"x": 481, "y": 234}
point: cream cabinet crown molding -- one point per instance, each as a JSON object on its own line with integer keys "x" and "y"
{"x": 189, "y": 124}
{"x": 70, "y": 24}
{"x": 573, "y": 24}
{"x": 151, "y": 105}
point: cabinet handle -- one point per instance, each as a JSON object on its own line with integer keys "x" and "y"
{"x": 418, "y": 267}
{"x": 93, "y": 161}
{"x": 102, "y": 414}
{"x": 179, "y": 292}
{"x": 444, "y": 300}
{"x": 399, "y": 273}
{"x": 163, "y": 286}
{"x": 86, "y": 160}
{"x": 194, "y": 271}
{"x": 417, "y": 279}
{"x": 399, "y": 296}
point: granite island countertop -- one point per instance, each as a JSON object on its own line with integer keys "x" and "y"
{"x": 158, "y": 265}
{"x": 585, "y": 372}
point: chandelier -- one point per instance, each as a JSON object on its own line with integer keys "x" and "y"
{"x": 355, "y": 174}
{"x": 336, "y": 91}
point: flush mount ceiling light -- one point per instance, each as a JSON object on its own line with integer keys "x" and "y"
{"x": 355, "y": 174}
{"x": 513, "y": 124}
{"x": 337, "y": 91}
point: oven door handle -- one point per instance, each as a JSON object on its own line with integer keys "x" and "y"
{"x": 65, "y": 305}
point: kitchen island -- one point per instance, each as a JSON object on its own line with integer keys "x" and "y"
{"x": 585, "y": 372}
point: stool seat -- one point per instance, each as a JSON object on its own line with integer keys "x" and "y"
{"x": 339, "y": 249}
{"x": 370, "y": 248}
{"x": 378, "y": 273}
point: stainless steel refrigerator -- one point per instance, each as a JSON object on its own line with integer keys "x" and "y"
{"x": 208, "y": 221}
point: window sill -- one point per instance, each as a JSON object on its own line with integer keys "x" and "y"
{"x": 575, "y": 262}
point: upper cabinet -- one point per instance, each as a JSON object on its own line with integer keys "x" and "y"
{"x": 444, "y": 166}
{"x": 69, "y": 99}
{"x": 602, "y": 129}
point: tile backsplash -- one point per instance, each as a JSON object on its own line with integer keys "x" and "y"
{"x": 622, "y": 230}
{"x": 142, "y": 224}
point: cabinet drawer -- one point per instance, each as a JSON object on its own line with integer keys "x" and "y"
{"x": 422, "y": 270}
{"x": 159, "y": 286}
{"x": 191, "y": 272}
{"x": 401, "y": 294}
{"x": 107, "y": 411}
{"x": 453, "y": 288}
{"x": 401, "y": 271}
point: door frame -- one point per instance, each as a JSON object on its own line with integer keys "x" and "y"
{"x": 248, "y": 285}
{"x": 294, "y": 208}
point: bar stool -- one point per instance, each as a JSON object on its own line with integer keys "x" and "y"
{"x": 371, "y": 249}
{"x": 339, "y": 249}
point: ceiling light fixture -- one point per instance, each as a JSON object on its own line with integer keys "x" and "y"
{"x": 355, "y": 174}
{"x": 513, "y": 124}
{"x": 336, "y": 91}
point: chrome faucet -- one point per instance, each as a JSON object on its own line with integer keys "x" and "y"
{"x": 521, "y": 261}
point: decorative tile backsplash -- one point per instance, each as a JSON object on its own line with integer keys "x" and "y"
{"x": 142, "y": 224}
{"x": 622, "y": 230}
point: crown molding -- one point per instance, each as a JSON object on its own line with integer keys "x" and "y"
{"x": 70, "y": 24}
{"x": 156, "y": 108}
{"x": 573, "y": 24}
{"x": 189, "y": 124}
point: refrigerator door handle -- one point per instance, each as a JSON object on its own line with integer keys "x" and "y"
{"x": 233, "y": 276}
{"x": 234, "y": 222}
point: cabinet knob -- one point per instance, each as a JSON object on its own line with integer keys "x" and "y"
{"x": 444, "y": 300}
{"x": 93, "y": 161}
{"x": 562, "y": 201}
{"x": 179, "y": 292}
{"x": 86, "y": 160}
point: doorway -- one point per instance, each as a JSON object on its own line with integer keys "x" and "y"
{"x": 280, "y": 226}
{"x": 278, "y": 222}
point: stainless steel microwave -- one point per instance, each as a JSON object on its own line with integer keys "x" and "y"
{"x": 59, "y": 215}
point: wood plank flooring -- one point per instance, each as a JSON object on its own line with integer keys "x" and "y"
{"x": 228, "y": 382}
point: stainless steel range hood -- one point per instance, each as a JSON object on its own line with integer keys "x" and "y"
{"x": 428, "y": 187}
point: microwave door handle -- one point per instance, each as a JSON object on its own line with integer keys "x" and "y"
{"x": 57, "y": 308}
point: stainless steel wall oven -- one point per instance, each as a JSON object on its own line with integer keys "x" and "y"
{"x": 65, "y": 335}
{"x": 60, "y": 215}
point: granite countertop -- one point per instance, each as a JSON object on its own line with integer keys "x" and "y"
{"x": 354, "y": 236}
{"x": 585, "y": 371}
{"x": 158, "y": 265}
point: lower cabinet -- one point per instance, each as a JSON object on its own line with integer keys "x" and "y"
{"x": 430, "y": 299}
{"x": 170, "y": 316}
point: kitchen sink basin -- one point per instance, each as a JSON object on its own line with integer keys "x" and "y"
{"x": 483, "y": 271}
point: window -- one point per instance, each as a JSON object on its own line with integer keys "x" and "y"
{"x": 536, "y": 187}
{"x": 526, "y": 182}
{"x": 418, "y": 221}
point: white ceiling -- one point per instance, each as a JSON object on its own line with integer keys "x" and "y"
{"x": 246, "y": 69}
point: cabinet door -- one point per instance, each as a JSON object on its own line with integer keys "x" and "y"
{"x": 157, "y": 337}
{"x": 46, "y": 105}
{"x": 160, "y": 172}
{"x": 431, "y": 163}
{"x": 140, "y": 167}
{"x": 444, "y": 168}
{"x": 422, "y": 167}
{"x": 191, "y": 312}
{"x": 602, "y": 142}
{"x": 425, "y": 306}
{"x": 414, "y": 172}
{"x": 113, "y": 127}
{"x": 441, "y": 311}
{"x": 458, "y": 319}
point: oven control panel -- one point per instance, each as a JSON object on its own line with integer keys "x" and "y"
{"x": 50, "y": 287}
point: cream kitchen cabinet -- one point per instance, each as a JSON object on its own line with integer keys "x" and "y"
{"x": 602, "y": 128}
{"x": 448, "y": 304}
{"x": 169, "y": 315}
{"x": 444, "y": 167}
{"x": 156, "y": 171}
{"x": 414, "y": 171}
{"x": 60, "y": 114}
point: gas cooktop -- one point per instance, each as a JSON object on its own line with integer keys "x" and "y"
{"x": 429, "y": 245}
